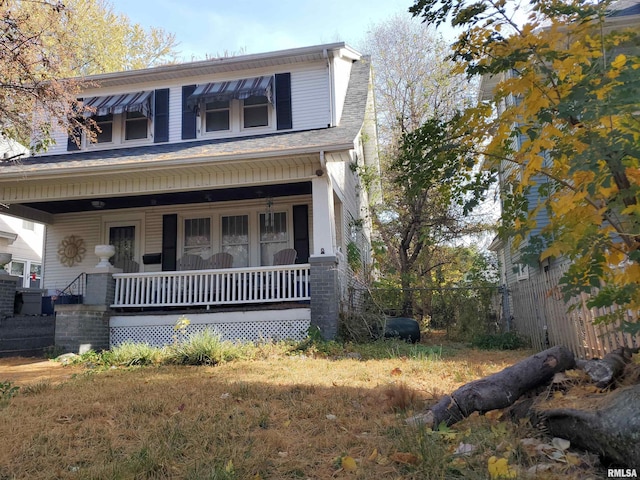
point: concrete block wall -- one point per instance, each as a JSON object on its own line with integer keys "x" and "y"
{"x": 8, "y": 286}
{"x": 325, "y": 294}
{"x": 80, "y": 328}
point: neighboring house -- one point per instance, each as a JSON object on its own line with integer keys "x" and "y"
{"x": 23, "y": 239}
{"x": 247, "y": 155}
{"x": 527, "y": 287}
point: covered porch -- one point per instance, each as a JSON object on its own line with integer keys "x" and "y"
{"x": 155, "y": 221}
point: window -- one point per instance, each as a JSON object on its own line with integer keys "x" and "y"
{"x": 216, "y": 116}
{"x": 104, "y": 128}
{"x": 256, "y": 112}
{"x": 136, "y": 126}
{"x": 18, "y": 268}
{"x": 273, "y": 235}
{"x": 523, "y": 271}
{"x": 197, "y": 237}
{"x": 28, "y": 225}
{"x": 235, "y": 238}
{"x": 35, "y": 273}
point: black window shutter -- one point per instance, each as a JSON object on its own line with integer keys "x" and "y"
{"x": 161, "y": 116}
{"x": 301, "y": 232}
{"x": 169, "y": 242}
{"x": 188, "y": 114}
{"x": 74, "y": 137}
{"x": 283, "y": 102}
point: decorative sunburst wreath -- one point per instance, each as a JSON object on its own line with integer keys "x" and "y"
{"x": 71, "y": 250}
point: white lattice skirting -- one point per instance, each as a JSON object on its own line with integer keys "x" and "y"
{"x": 264, "y": 325}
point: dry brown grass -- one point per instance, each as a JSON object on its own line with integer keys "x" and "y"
{"x": 276, "y": 418}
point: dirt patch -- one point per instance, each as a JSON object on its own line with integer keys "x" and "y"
{"x": 23, "y": 371}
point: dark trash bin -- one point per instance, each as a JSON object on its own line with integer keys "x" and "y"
{"x": 402, "y": 327}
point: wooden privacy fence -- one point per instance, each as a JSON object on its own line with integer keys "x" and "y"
{"x": 541, "y": 314}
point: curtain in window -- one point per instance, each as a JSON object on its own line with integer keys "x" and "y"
{"x": 235, "y": 238}
{"x": 123, "y": 238}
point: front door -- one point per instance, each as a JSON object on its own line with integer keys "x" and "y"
{"x": 123, "y": 237}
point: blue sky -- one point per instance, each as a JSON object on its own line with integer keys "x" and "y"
{"x": 213, "y": 27}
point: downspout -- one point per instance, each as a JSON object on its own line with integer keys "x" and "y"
{"x": 325, "y": 54}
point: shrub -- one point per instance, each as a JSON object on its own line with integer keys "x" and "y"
{"x": 129, "y": 354}
{"x": 7, "y": 390}
{"x": 204, "y": 348}
{"x": 498, "y": 341}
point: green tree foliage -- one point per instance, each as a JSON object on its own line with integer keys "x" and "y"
{"x": 565, "y": 86}
{"x": 43, "y": 42}
{"x": 414, "y": 83}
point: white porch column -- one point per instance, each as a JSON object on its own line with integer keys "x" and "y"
{"x": 323, "y": 217}
{"x": 324, "y": 282}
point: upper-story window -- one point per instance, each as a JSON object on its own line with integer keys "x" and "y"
{"x": 216, "y": 116}
{"x": 136, "y": 126}
{"x": 233, "y": 105}
{"x": 256, "y": 111}
{"x": 227, "y": 108}
{"x": 104, "y": 130}
{"x": 121, "y": 118}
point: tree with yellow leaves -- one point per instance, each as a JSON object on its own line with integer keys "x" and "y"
{"x": 561, "y": 119}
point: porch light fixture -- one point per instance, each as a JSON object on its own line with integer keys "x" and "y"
{"x": 268, "y": 216}
{"x": 98, "y": 204}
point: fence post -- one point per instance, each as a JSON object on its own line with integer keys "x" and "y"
{"x": 506, "y": 309}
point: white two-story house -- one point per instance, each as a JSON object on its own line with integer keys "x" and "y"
{"x": 229, "y": 189}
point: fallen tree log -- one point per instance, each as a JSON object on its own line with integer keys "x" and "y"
{"x": 604, "y": 371}
{"x": 610, "y": 428}
{"x": 498, "y": 390}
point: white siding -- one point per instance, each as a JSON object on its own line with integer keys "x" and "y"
{"x": 310, "y": 98}
{"x": 350, "y": 192}
{"x": 341, "y": 74}
{"x": 175, "y": 114}
{"x": 60, "y": 138}
{"x": 85, "y": 226}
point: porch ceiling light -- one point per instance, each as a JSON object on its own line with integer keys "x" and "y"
{"x": 268, "y": 217}
{"x": 98, "y": 204}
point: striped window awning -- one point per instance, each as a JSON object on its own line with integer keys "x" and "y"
{"x": 234, "y": 89}
{"x": 126, "y": 102}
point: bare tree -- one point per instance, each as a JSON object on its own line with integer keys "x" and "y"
{"x": 414, "y": 83}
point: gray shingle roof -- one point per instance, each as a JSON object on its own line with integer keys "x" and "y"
{"x": 273, "y": 144}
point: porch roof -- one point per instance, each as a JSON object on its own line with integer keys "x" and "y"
{"x": 162, "y": 155}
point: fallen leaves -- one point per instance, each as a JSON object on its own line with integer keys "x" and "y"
{"x": 499, "y": 468}
{"x": 349, "y": 464}
{"x": 404, "y": 458}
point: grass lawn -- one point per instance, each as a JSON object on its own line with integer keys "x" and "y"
{"x": 335, "y": 411}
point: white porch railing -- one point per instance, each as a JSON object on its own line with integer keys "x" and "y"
{"x": 213, "y": 287}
